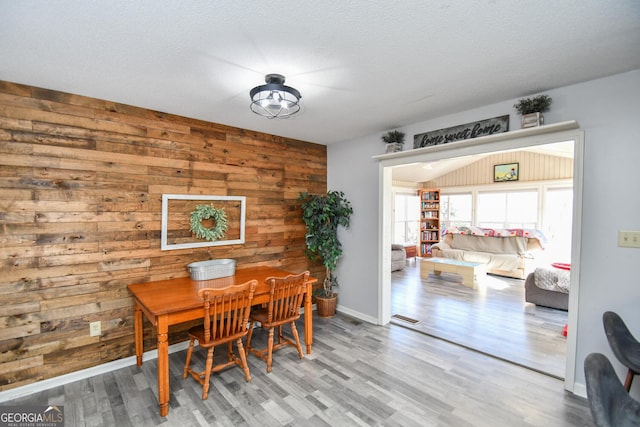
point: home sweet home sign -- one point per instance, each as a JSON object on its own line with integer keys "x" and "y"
{"x": 467, "y": 131}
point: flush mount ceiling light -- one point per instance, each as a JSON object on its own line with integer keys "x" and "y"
{"x": 275, "y": 100}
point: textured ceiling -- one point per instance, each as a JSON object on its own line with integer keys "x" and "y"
{"x": 362, "y": 66}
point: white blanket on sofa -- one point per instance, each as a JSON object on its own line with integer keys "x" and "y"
{"x": 552, "y": 280}
{"x": 497, "y": 253}
{"x": 506, "y": 262}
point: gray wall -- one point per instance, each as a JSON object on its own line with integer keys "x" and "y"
{"x": 608, "y": 110}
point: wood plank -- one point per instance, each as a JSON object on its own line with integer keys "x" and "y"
{"x": 15, "y": 88}
{"x": 82, "y": 181}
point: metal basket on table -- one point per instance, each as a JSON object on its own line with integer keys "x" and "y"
{"x": 212, "y": 269}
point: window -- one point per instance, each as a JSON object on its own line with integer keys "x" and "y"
{"x": 558, "y": 215}
{"x": 407, "y": 219}
{"x": 517, "y": 209}
{"x": 455, "y": 210}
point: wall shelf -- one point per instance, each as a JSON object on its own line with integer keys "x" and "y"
{"x": 505, "y": 136}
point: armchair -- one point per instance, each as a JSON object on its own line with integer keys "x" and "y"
{"x": 398, "y": 257}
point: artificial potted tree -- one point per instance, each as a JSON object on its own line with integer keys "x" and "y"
{"x": 394, "y": 141}
{"x": 531, "y": 110}
{"x": 323, "y": 214}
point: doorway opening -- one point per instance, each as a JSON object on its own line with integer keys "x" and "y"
{"x": 489, "y": 145}
{"x": 493, "y": 318}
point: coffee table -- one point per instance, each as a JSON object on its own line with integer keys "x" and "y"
{"x": 470, "y": 271}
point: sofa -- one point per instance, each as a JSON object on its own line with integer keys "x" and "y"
{"x": 548, "y": 288}
{"x": 505, "y": 252}
{"x": 398, "y": 257}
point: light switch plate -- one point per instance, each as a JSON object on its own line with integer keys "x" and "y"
{"x": 629, "y": 239}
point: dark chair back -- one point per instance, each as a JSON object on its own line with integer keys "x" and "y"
{"x": 610, "y": 404}
{"x": 624, "y": 345}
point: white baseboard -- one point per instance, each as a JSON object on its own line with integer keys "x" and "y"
{"x": 580, "y": 390}
{"x": 357, "y": 315}
{"x": 28, "y": 389}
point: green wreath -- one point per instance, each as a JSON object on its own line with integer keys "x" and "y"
{"x": 208, "y": 212}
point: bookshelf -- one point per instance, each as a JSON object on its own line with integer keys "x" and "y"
{"x": 429, "y": 219}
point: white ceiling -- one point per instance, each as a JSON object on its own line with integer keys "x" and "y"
{"x": 362, "y": 67}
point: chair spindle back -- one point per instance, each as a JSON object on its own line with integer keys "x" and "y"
{"x": 226, "y": 310}
{"x": 286, "y": 295}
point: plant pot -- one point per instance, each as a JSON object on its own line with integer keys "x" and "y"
{"x": 394, "y": 147}
{"x": 326, "y": 307}
{"x": 532, "y": 120}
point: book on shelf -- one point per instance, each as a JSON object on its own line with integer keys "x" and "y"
{"x": 427, "y": 205}
{"x": 431, "y": 195}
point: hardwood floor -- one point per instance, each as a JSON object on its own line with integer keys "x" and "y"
{"x": 493, "y": 319}
{"x": 358, "y": 375}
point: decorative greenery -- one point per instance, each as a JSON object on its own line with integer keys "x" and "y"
{"x": 393, "y": 137}
{"x": 537, "y": 104}
{"x": 202, "y": 212}
{"x": 322, "y": 214}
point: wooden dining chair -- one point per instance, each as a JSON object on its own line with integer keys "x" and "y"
{"x": 226, "y": 316}
{"x": 285, "y": 299}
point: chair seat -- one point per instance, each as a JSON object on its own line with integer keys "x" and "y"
{"x": 197, "y": 333}
{"x": 262, "y": 315}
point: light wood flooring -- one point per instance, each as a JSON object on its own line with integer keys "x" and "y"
{"x": 493, "y": 319}
{"x": 358, "y": 375}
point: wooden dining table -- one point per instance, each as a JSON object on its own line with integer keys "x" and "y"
{"x": 172, "y": 301}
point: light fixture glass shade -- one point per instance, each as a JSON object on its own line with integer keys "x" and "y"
{"x": 274, "y": 99}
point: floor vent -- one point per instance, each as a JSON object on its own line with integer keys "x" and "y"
{"x": 404, "y": 319}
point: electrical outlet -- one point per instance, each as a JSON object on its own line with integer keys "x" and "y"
{"x": 629, "y": 239}
{"x": 94, "y": 329}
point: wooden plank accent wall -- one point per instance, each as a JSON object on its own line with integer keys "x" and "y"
{"x": 533, "y": 167}
{"x": 81, "y": 182}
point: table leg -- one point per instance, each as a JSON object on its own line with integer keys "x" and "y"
{"x": 468, "y": 277}
{"x": 138, "y": 332}
{"x": 308, "y": 318}
{"x": 163, "y": 365}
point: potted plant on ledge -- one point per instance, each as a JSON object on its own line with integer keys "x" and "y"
{"x": 323, "y": 214}
{"x": 531, "y": 110}
{"x": 394, "y": 141}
